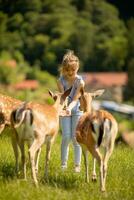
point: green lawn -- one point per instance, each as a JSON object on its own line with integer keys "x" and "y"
{"x": 66, "y": 185}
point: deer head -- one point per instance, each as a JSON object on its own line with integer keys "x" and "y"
{"x": 60, "y": 97}
{"x": 87, "y": 97}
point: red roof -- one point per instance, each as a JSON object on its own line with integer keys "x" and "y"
{"x": 27, "y": 84}
{"x": 106, "y": 79}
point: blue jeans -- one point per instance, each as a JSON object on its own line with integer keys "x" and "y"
{"x": 68, "y": 127}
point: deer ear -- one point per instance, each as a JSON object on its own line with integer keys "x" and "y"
{"x": 97, "y": 93}
{"x": 82, "y": 91}
{"x": 66, "y": 93}
{"x": 13, "y": 116}
{"x": 50, "y": 93}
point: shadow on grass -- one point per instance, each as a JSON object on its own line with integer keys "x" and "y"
{"x": 61, "y": 179}
{"x": 64, "y": 180}
{"x": 7, "y": 171}
{"x": 58, "y": 180}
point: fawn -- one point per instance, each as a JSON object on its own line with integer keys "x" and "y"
{"x": 36, "y": 124}
{"x": 96, "y": 129}
{"x": 7, "y": 104}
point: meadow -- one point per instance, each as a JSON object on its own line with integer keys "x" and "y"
{"x": 66, "y": 185}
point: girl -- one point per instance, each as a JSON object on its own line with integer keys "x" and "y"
{"x": 70, "y": 78}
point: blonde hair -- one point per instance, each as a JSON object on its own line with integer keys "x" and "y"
{"x": 69, "y": 60}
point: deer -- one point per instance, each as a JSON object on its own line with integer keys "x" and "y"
{"x": 7, "y": 104}
{"x": 37, "y": 124}
{"x": 96, "y": 130}
{"x": 22, "y": 127}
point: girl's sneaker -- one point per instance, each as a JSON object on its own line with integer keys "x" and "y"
{"x": 63, "y": 167}
{"x": 77, "y": 169}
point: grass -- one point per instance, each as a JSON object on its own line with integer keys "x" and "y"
{"x": 66, "y": 185}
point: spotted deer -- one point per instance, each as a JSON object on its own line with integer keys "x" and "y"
{"x": 96, "y": 130}
{"x": 38, "y": 127}
{"x": 7, "y": 104}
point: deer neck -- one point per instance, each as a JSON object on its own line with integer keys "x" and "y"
{"x": 57, "y": 106}
{"x": 88, "y": 108}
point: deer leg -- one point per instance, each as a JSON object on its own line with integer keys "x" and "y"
{"x": 16, "y": 152}
{"x": 37, "y": 155}
{"x": 48, "y": 152}
{"x": 96, "y": 153}
{"x": 94, "y": 177}
{"x": 32, "y": 152}
{"x": 108, "y": 152}
{"x": 23, "y": 160}
{"x": 85, "y": 154}
{"x": 37, "y": 160}
{"x": 2, "y": 126}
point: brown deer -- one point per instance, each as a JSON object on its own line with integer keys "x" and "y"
{"x": 37, "y": 124}
{"x": 22, "y": 128}
{"x": 95, "y": 130}
{"x": 7, "y": 104}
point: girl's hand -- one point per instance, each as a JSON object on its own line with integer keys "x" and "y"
{"x": 68, "y": 111}
{"x": 63, "y": 113}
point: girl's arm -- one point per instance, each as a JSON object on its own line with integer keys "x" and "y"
{"x": 60, "y": 86}
{"x": 75, "y": 98}
{"x": 61, "y": 89}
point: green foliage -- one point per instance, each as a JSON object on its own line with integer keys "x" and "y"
{"x": 84, "y": 48}
{"x": 3, "y": 22}
{"x": 15, "y": 22}
{"x": 41, "y": 30}
{"x": 14, "y": 69}
{"x": 129, "y": 90}
{"x": 130, "y": 25}
{"x": 9, "y": 73}
{"x": 110, "y": 45}
{"x": 45, "y": 78}
{"x": 126, "y": 125}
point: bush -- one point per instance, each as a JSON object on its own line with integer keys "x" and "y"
{"x": 45, "y": 78}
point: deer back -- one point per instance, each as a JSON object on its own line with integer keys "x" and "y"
{"x": 45, "y": 118}
{"x": 7, "y": 104}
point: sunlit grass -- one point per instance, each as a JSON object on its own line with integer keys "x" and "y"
{"x": 66, "y": 185}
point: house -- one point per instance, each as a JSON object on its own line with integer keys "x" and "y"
{"x": 27, "y": 85}
{"x": 113, "y": 82}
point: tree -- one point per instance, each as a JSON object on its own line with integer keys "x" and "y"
{"x": 43, "y": 29}
{"x": 110, "y": 44}
{"x": 129, "y": 91}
